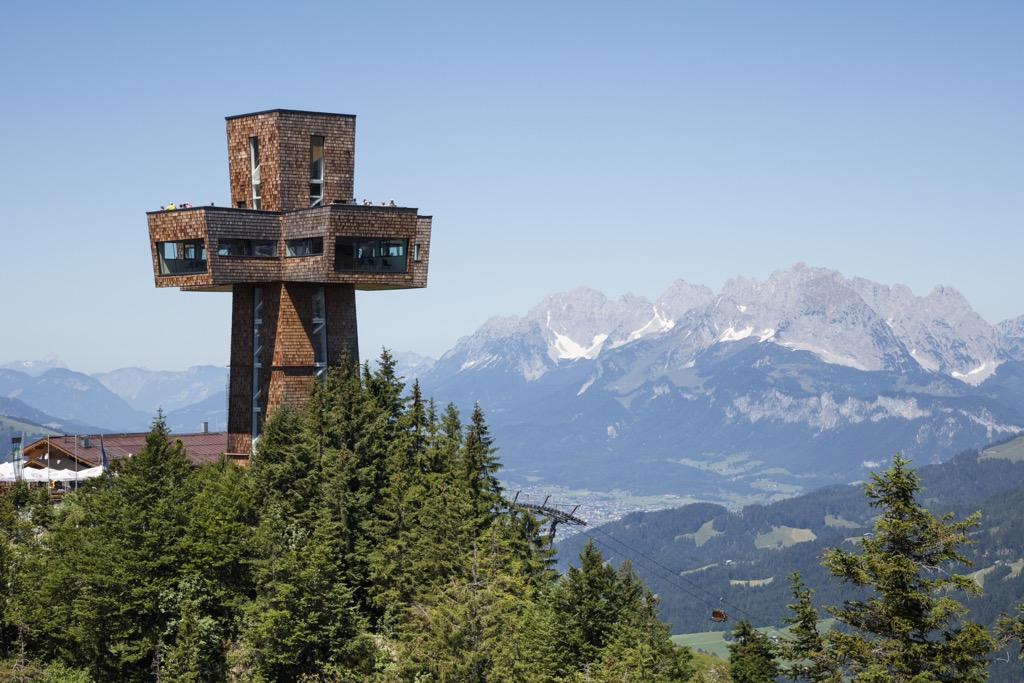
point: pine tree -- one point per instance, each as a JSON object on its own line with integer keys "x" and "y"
{"x": 910, "y": 628}
{"x": 193, "y": 643}
{"x": 285, "y": 469}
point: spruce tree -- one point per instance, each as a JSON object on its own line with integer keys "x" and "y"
{"x": 751, "y": 655}
{"x": 599, "y": 623}
{"x": 113, "y": 555}
{"x": 1011, "y": 629}
{"x": 910, "y": 627}
{"x": 803, "y": 648}
{"x": 479, "y": 466}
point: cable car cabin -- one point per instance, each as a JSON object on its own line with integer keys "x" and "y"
{"x": 719, "y": 615}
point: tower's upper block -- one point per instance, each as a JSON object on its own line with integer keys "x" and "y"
{"x": 292, "y": 216}
{"x": 286, "y": 160}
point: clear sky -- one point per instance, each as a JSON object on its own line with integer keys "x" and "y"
{"x": 619, "y": 146}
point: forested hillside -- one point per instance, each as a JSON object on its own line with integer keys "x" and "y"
{"x": 703, "y": 557}
{"x": 368, "y": 541}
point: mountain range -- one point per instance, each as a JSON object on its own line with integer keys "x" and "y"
{"x": 751, "y": 394}
{"x": 46, "y": 397}
{"x": 762, "y": 390}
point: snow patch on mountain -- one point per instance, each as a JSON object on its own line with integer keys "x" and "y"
{"x": 479, "y": 361}
{"x": 731, "y": 334}
{"x": 926, "y": 362}
{"x": 657, "y": 324}
{"x": 977, "y": 375}
{"x": 826, "y": 355}
{"x": 586, "y": 385}
{"x": 570, "y": 350}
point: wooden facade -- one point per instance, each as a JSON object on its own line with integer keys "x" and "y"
{"x": 82, "y": 451}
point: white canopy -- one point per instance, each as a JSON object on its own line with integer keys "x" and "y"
{"x": 33, "y": 474}
{"x": 37, "y": 474}
{"x": 89, "y": 473}
{"x": 72, "y": 475}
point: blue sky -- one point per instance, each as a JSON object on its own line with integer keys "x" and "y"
{"x": 556, "y": 144}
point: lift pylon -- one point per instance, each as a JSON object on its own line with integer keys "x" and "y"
{"x": 553, "y": 513}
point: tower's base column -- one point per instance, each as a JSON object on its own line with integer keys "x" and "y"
{"x": 282, "y": 333}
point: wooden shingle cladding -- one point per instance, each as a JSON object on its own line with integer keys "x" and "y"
{"x": 381, "y": 223}
{"x": 217, "y": 226}
{"x": 286, "y": 361}
{"x": 284, "y": 140}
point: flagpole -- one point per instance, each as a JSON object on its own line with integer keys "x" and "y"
{"x": 16, "y": 457}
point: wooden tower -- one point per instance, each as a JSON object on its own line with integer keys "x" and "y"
{"x": 292, "y": 249}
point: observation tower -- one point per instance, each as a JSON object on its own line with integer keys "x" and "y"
{"x": 292, "y": 249}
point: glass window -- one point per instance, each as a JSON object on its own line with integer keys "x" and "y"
{"x": 304, "y": 246}
{"x": 365, "y": 254}
{"x": 316, "y": 170}
{"x": 181, "y": 258}
{"x": 319, "y": 333}
{"x": 257, "y": 352}
{"x": 254, "y": 171}
{"x": 247, "y": 247}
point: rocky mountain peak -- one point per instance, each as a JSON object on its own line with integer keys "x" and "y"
{"x": 580, "y": 323}
{"x": 851, "y": 322}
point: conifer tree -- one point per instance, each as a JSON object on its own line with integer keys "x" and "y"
{"x": 751, "y": 656}
{"x": 479, "y": 466}
{"x": 911, "y": 627}
{"x": 303, "y": 617}
{"x": 18, "y": 544}
{"x": 193, "y": 643}
{"x": 367, "y": 541}
{"x": 469, "y": 629}
{"x": 803, "y": 649}
{"x": 111, "y": 557}
{"x": 285, "y": 469}
{"x": 600, "y": 622}
{"x": 1011, "y": 629}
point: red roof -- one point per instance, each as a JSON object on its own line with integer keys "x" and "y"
{"x": 201, "y": 447}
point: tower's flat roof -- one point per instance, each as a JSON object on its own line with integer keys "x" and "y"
{"x": 289, "y": 111}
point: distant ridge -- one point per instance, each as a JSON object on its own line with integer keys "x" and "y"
{"x": 60, "y": 400}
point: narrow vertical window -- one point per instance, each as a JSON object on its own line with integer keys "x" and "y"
{"x": 316, "y": 170}
{"x": 254, "y": 170}
{"x": 319, "y": 333}
{"x": 257, "y": 352}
